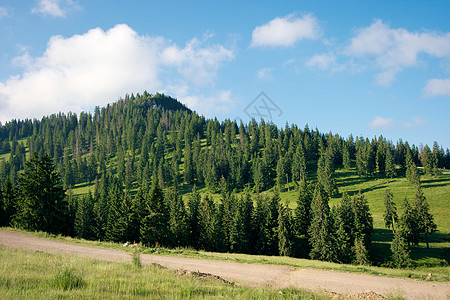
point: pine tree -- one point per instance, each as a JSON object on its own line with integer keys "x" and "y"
{"x": 284, "y": 231}
{"x": 85, "y": 218}
{"x": 299, "y": 164}
{"x": 360, "y": 250}
{"x": 400, "y": 252}
{"x": 390, "y": 210}
{"x": 116, "y": 227}
{"x": 155, "y": 228}
{"x": 41, "y": 203}
{"x": 208, "y": 225}
{"x": 389, "y": 170}
{"x": 320, "y": 230}
{"x": 193, "y": 215}
{"x": 363, "y": 221}
{"x": 178, "y": 222}
{"x": 303, "y": 209}
{"x": 7, "y": 203}
{"x": 325, "y": 172}
{"x": 425, "y": 219}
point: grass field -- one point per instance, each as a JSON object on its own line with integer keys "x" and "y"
{"x": 35, "y": 275}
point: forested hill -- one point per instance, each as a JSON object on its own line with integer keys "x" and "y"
{"x": 154, "y": 136}
{"x": 135, "y": 158}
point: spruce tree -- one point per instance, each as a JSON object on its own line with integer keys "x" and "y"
{"x": 7, "y": 203}
{"x": 360, "y": 250}
{"x": 193, "y": 216}
{"x": 320, "y": 231}
{"x": 284, "y": 231}
{"x": 363, "y": 220}
{"x": 390, "y": 210}
{"x": 85, "y": 218}
{"x": 425, "y": 219}
{"x": 178, "y": 222}
{"x": 389, "y": 170}
{"x": 41, "y": 201}
{"x": 400, "y": 251}
{"x": 154, "y": 227}
{"x": 303, "y": 209}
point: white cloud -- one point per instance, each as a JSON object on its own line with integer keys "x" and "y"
{"x": 220, "y": 102}
{"x": 286, "y": 31}
{"x": 3, "y": 12}
{"x": 195, "y": 63}
{"x": 381, "y": 123}
{"x": 265, "y": 73}
{"x": 414, "y": 123}
{"x": 324, "y": 61}
{"x": 82, "y": 71}
{"x": 54, "y": 8}
{"x": 437, "y": 87}
{"x": 392, "y": 50}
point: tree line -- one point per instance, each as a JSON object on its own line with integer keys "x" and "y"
{"x": 235, "y": 223}
{"x": 146, "y": 137}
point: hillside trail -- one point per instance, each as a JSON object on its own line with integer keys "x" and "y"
{"x": 253, "y": 275}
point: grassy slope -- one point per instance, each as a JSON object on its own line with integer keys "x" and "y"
{"x": 22, "y": 277}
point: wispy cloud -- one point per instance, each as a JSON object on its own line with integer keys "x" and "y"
{"x": 414, "y": 123}
{"x": 437, "y": 87}
{"x": 391, "y": 50}
{"x": 381, "y": 123}
{"x": 81, "y": 71}
{"x": 324, "y": 61}
{"x": 265, "y": 73}
{"x": 54, "y": 8}
{"x": 3, "y": 12}
{"x": 286, "y": 31}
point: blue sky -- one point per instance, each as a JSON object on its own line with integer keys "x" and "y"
{"x": 365, "y": 68}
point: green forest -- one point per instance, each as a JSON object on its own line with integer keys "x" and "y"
{"x": 148, "y": 169}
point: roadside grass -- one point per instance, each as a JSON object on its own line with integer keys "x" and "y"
{"x": 26, "y": 274}
{"x": 439, "y": 272}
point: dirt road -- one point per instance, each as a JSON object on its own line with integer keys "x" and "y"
{"x": 248, "y": 274}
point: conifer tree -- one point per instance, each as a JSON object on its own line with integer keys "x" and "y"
{"x": 85, "y": 218}
{"x": 400, "y": 251}
{"x": 303, "y": 209}
{"x": 41, "y": 201}
{"x": 389, "y": 170}
{"x": 7, "y": 203}
{"x": 363, "y": 221}
{"x": 360, "y": 249}
{"x": 425, "y": 219}
{"x": 193, "y": 215}
{"x": 325, "y": 172}
{"x": 320, "y": 231}
{"x": 284, "y": 231}
{"x": 208, "y": 225}
{"x": 390, "y": 211}
{"x": 299, "y": 164}
{"x": 178, "y": 222}
{"x": 155, "y": 228}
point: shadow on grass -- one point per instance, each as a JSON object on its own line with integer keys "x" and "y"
{"x": 438, "y": 255}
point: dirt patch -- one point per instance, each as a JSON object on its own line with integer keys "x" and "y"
{"x": 355, "y": 286}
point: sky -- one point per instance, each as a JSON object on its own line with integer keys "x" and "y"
{"x": 366, "y": 68}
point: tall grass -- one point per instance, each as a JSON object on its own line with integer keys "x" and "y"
{"x": 68, "y": 279}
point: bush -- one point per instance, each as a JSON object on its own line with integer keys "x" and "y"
{"x": 68, "y": 279}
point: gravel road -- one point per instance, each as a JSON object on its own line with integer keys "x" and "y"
{"x": 253, "y": 275}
